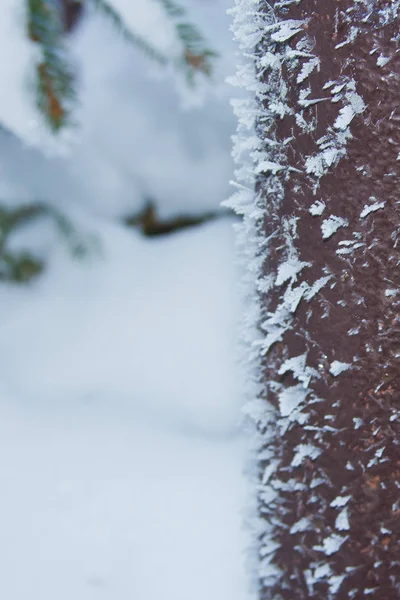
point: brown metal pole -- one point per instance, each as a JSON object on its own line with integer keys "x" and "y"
{"x": 328, "y": 191}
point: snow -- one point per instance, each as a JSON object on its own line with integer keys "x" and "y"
{"x": 162, "y": 139}
{"x": 124, "y": 425}
{"x": 122, "y": 447}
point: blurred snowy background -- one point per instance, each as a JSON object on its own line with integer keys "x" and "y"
{"x": 121, "y": 449}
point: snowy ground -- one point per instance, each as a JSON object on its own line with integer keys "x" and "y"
{"x": 121, "y": 447}
{"x": 120, "y": 454}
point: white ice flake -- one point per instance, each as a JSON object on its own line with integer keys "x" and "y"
{"x": 303, "y": 451}
{"x": 297, "y": 364}
{"x": 335, "y": 581}
{"x": 340, "y": 501}
{"x": 381, "y": 61}
{"x": 338, "y": 367}
{"x": 369, "y": 208}
{"x": 307, "y": 69}
{"x": 342, "y": 520}
{"x": 317, "y": 286}
{"x": 289, "y": 270}
{"x": 389, "y": 293}
{"x": 331, "y": 544}
{"x": 266, "y": 166}
{"x": 290, "y": 398}
{"x": 346, "y": 115}
{"x": 317, "y": 208}
{"x": 302, "y": 525}
{"x": 286, "y": 30}
{"x": 330, "y": 225}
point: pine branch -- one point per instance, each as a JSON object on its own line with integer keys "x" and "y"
{"x": 196, "y": 56}
{"x": 55, "y": 85}
{"x": 130, "y": 36}
{"x": 21, "y": 267}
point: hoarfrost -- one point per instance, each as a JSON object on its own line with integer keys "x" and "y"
{"x": 268, "y": 166}
{"x": 331, "y": 544}
{"x": 335, "y": 582}
{"x": 269, "y": 548}
{"x": 322, "y": 571}
{"x": 297, "y": 364}
{"x": 269, "y": 470}
{"x": 340, "y": 501}
{"x": 307, "y": 69}
{"x": 286, "y": 30}
{"x": 381, "y": 61}
{"x": 317, "y": 286}
{"x": 289, "y": 270}
{"x": 293, "y": 296}
{"x": 317, "y": 208}
{"x": 290, "y": 398}
{"x": 371, "y": 208}
{"x": 338, "y": 367}
{"x": 354, "y": 331}
{"x": 342, "y": 520}
{"x": 389, "y": 293}
{"x": 301, "y": 525}
{"x": 303, "y": 451}
{"x": 346, "y": 115}
{"x": 331, "y": 225}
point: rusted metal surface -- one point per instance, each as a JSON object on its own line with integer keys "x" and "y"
{"x": 353, "y": 418}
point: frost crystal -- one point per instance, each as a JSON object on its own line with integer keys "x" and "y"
{"x": 331, "y": 544}
{"x": 301, "y": 525}
{"x": 304, "y": 451}
{"x": 317, "y": 208}
{"x": 307, "y": 69}
{"x": 331, "y": 225}
{"x": 335, "y": 582}
{"x": 371, "y": 208}
{"x": 342, "y": 520}
{"x": 289, "y": 270}
{"x": 286, "y": 30}
{"x": 290, "y": 398}
{"x": 346, "y": 115}
{"x": 338, "y": 367}
{"x": 340, "y": 501}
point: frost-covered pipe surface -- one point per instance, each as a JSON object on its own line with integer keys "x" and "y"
{"x": 319, "y": 142}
